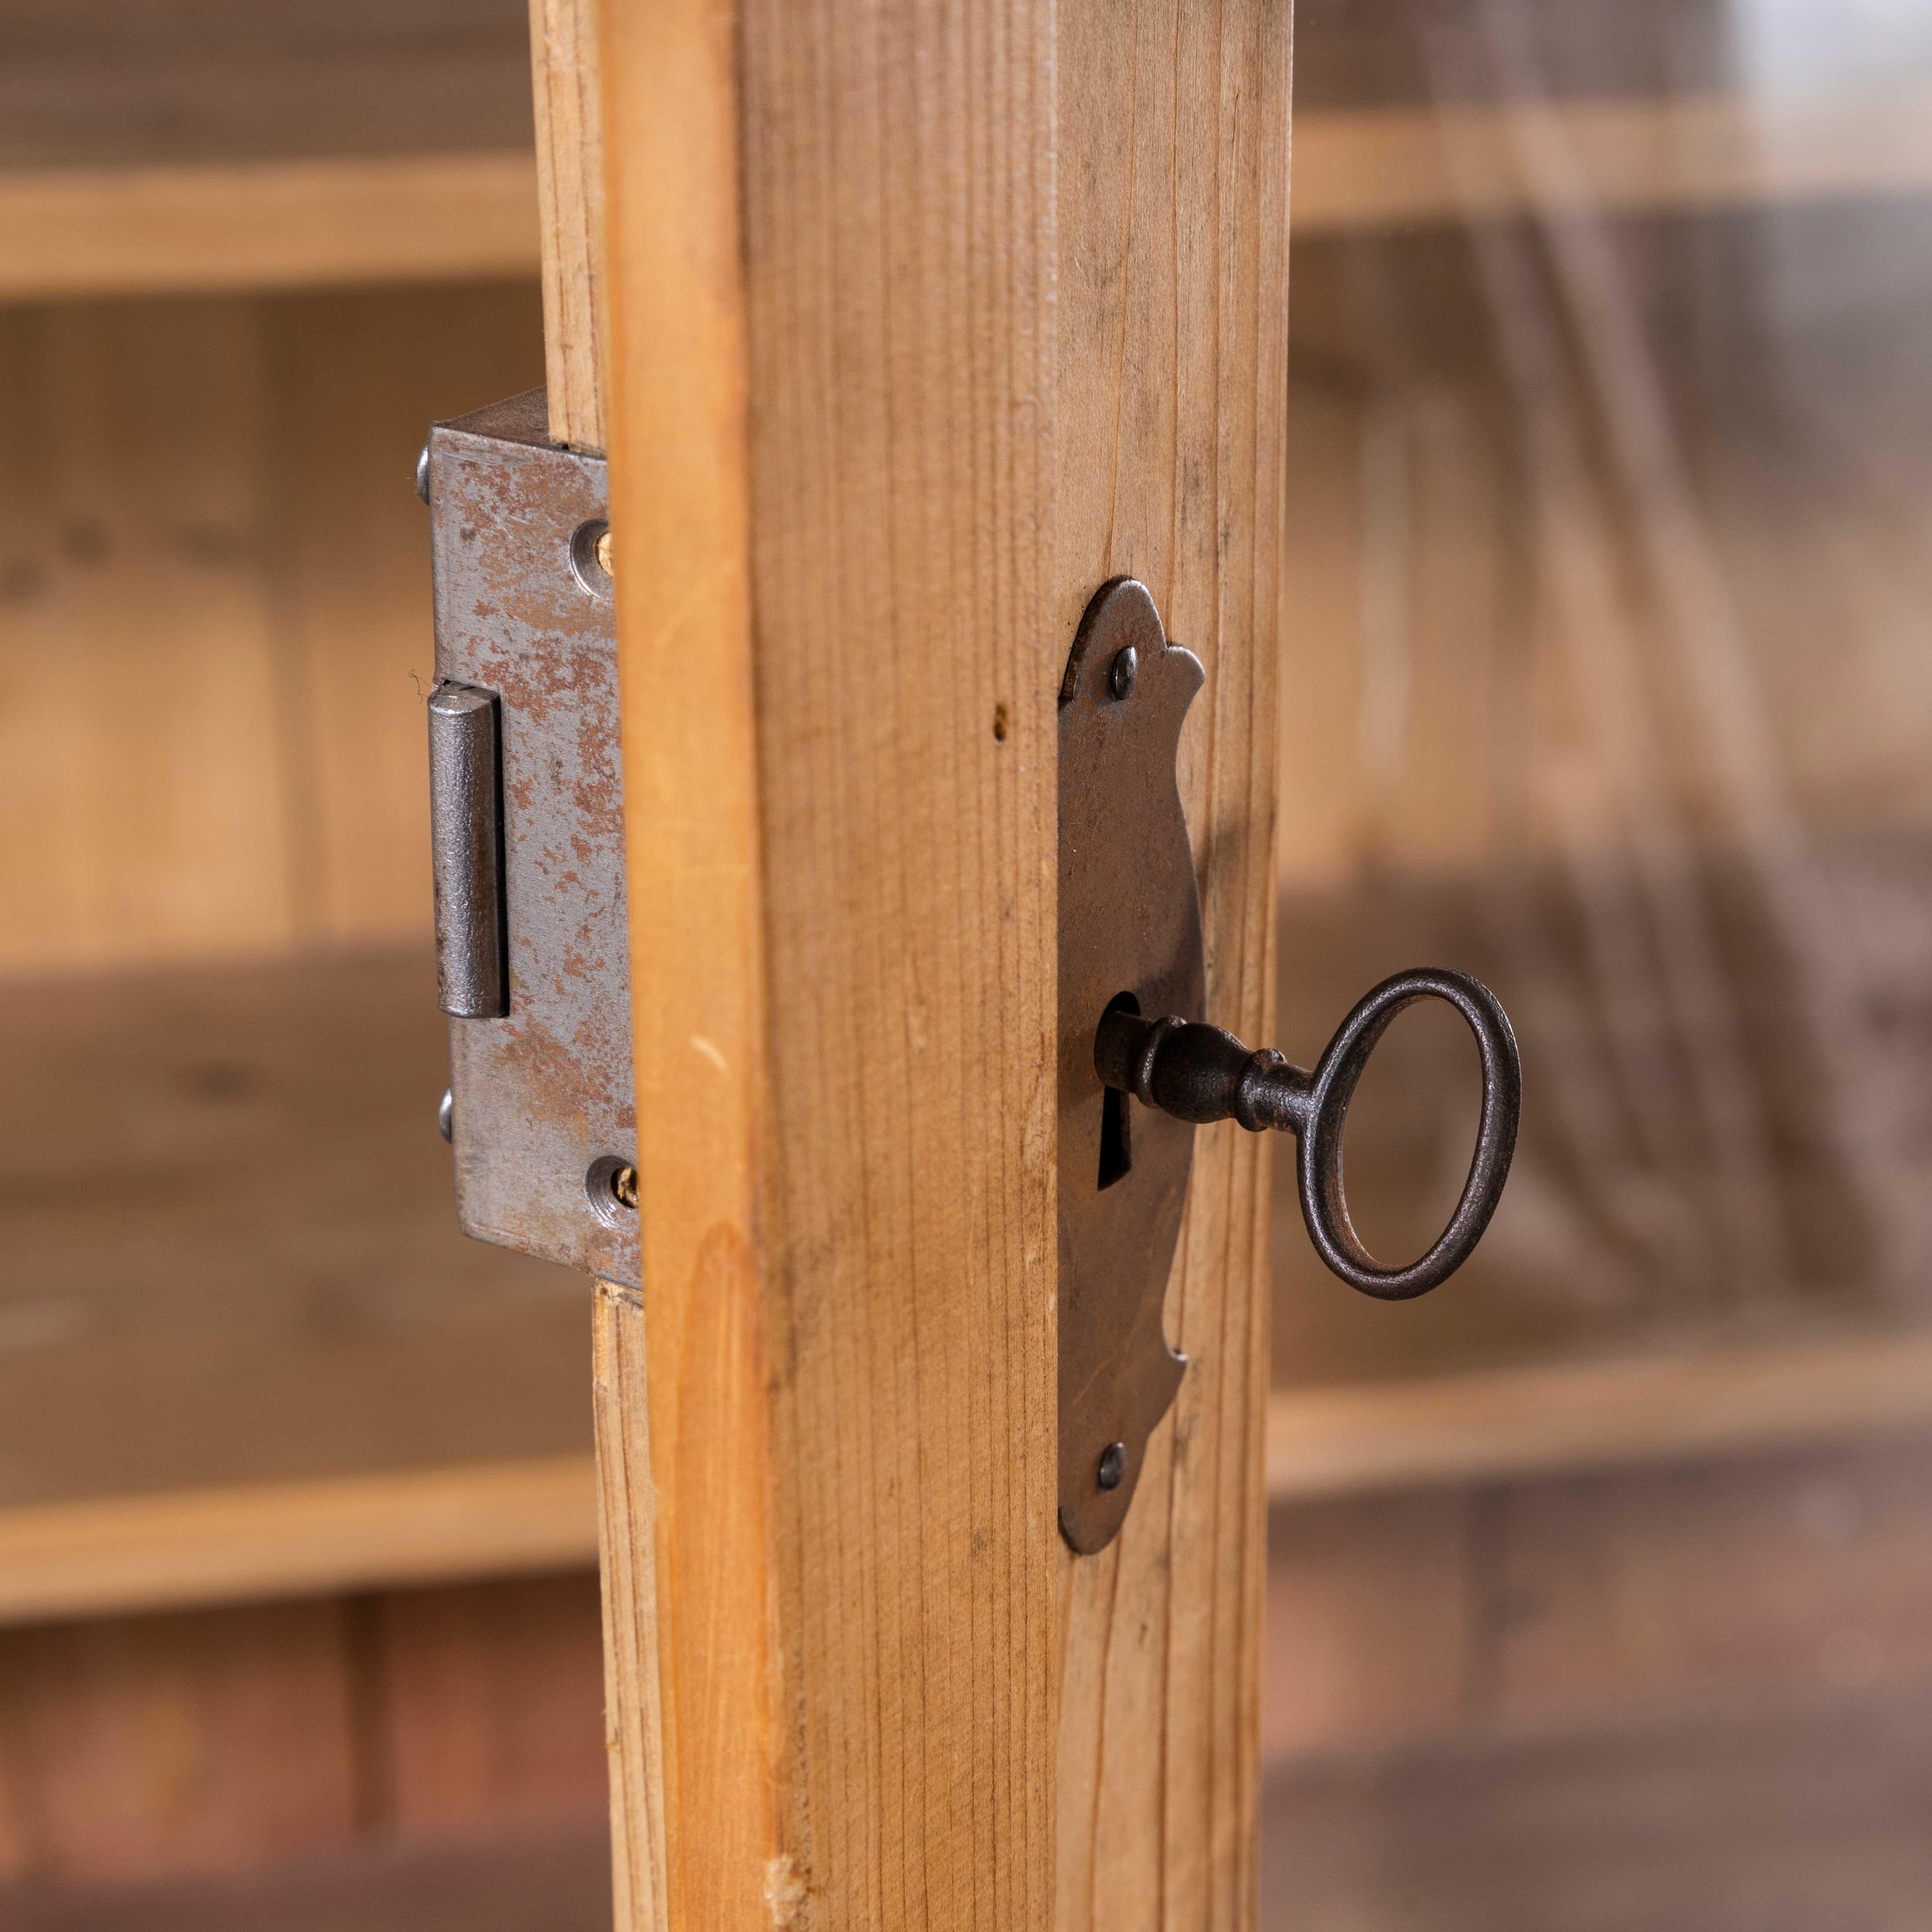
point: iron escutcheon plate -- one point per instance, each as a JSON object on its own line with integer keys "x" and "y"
{"x": 1130, "y": 925}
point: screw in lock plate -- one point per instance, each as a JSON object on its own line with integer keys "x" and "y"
{"x": 1113, "y": 1465}
{"x": 1122, "y": 672}
{"x": 590, "y": 559}
{"x": 610, "y": 1189}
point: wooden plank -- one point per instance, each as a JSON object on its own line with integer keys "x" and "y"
{"x": 229, "y": 1254}
{"x": 213, "y": 614}
{"x": 1504, "y": 1423}
{"x": 1719, "y": 1819}
{"x": 140, "y": 1748}
{"x": 288, "y": 1539}
{"x": 1782, "y": 1577}
{"x": 490, "y": 1695}
{"x": 908, "y": 646}
{"x": 1374, "y": 1609}
{"x": 301, "y": 223}
{"x": 139, "y": 786}
{"x": 1173, "y": 343}
{"x": 627, "y": 1567}
{"x": 504, "y": 1883}
{"x": 844, "y": 1155}
{"x": 1379, "y": 167}
{"x": 98, "y": 83}
{"x": 695, "y": 1744}
{"x": 1558, "y": 1602}
{"x": 570, "y": 180}
{"x": 566, "y": 78}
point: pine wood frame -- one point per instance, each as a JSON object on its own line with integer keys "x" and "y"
{"x": 916, "y": 328}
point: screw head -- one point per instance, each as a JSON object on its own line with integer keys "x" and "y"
{"x": 1122, "y": 672}
{"x": 422, "y": 474}
{"x": 1113, "y": 1465}
{"x": 445, "y": 1115}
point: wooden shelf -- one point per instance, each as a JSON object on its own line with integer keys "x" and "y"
{"x": 106, "y": 83}
{"x": 298, "y": 1539}
{"x": 280, "y": 224}
{"x": 1503, "y": 1424}
{"x": 244, "y": 1352}
{"x": 1389, "y": 167}
{"x": 316, "y": 221}
{"x": 185, "y": 146}
{"x": 231, "y": 1257}
{"x": 411, "y": 1526}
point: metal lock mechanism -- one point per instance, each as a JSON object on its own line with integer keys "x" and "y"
{"x": 527, "y": 831}
{"x": 1139, "y": 1067}
{"x": 526, "y": 793}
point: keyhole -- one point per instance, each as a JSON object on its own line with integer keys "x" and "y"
{"x": 1117, "y": 1145}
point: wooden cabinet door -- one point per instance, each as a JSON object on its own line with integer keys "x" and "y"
{"x": 905, "y": 327}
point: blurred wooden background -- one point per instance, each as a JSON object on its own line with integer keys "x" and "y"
{"x": 1606, "y": 678}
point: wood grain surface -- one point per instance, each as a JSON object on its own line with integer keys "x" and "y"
{"x": 843, "y": 948}
{"x": 627, "y": 1544}
{"x": 936, "y": 486}
{"x": 1173, "y": 324}
{"x": 900, "y": 178}
{"x": 680, "y": 516}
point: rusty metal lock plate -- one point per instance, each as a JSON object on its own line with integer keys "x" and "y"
{"x": 544, "y": 1118}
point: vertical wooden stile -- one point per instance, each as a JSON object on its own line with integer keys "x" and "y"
{"x": 841, "y": 827}
{"x": 566, "y": 90}
{"x": 681, "y": 516}
{"x": 920, "y": 324}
